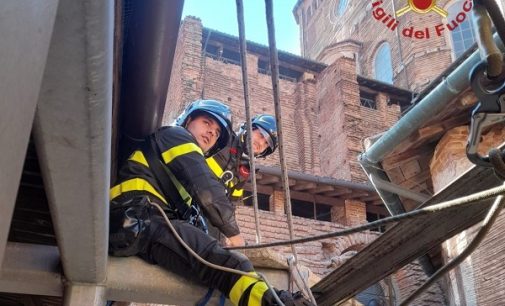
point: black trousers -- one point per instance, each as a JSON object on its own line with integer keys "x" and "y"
{"x": 159, "y": 246}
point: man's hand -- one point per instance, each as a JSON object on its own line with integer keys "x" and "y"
{"x": 235, "y": 241}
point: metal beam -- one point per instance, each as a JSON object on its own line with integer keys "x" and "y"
{"x": 399, "y": 190}
{"x": 34, "y": 269}
{"x": 31, "y": 269}
{"x": 322, "y": 180}
{"x": 72, "y": 132}
{"x": 145, "y": 283}
{"x": 84, "y": 294}
{"x": 25, "y": 31}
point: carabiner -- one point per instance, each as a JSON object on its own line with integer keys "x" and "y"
{"x": 489, "y": 111}
{"x": 226, "y": 177}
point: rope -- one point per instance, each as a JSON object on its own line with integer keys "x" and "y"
{"x": 245, "y": 82}
{"x": 259, "y": 276}
{"x": 274, "y": 67}
{"x": 491, "y": 216}
{"x": 496, "y": 16}
{"x": 478, "y": 196}
{"x": 305, "y": 286}
{"x": 487, "y": 47}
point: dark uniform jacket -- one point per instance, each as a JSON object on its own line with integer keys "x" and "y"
{"x": 230, "y": 162}
{"x": 181, "y": 154}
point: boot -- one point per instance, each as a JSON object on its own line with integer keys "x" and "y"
{"x": 286, "y": 297}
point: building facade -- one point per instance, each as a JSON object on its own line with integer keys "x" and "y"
{"x": 327, "y": 109}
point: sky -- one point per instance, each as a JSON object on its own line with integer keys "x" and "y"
{"x": 221, "y": 15}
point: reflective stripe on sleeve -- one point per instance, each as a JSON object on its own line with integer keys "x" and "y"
{"x": 240, "y": 287}
{"x": 172, "y": 153}
{"x": 257, "y": 292}
{"x": 135, "y": 184}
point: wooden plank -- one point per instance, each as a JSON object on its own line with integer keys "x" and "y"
{"x": 267, "y": 180}
{"x": 407, "y": 240}
{"x": 304, "y": 186}
{"x": 321, "y": 189}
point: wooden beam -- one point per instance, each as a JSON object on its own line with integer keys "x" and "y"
{"x": 373, "y": 197}
{"x": 407, "y": 240}
{"x": 268, "y": 180}
{"x": 304, "y": 186}
{"x": 355, "y": 195}
{"x": 321, "y": 189}
{"x": 338, "y": 192}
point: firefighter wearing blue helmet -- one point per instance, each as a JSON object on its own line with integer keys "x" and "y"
{"x": 231, "y": 164}
{"x": 169, "y": 169}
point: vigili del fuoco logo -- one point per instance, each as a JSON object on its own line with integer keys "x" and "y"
{"x": 449, "y": 23}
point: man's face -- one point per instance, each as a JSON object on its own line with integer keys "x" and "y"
{"x": 259, "y": 142}
{"x": 205, "y": 129}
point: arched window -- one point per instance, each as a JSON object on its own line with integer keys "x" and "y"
{"x": 342, "y": 5}
{"x": 383, "y": 67}
{"x": 462, "y": 36}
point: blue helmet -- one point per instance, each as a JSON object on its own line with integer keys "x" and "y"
{"x": 217, "y": 110}
{"x": 268, "y": 128}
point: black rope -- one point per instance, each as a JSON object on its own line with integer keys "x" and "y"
{"x": 476, "y": 197}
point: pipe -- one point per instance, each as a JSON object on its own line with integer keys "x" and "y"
{"x": 315, "y": 179}
{"x": 426, "y": 109}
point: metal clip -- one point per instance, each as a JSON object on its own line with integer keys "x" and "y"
{"x": 489, "y": 111}
{"x": 226, "y": 177}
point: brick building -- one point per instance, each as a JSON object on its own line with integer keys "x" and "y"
{"x": 328, "y": 109}
{"x": 412, "y": 51}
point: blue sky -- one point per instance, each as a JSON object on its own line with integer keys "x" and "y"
{"x": 221, "y": 15}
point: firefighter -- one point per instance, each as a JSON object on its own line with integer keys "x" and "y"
{"x": 169, "y": 169}
{"x": 231, "y": 164}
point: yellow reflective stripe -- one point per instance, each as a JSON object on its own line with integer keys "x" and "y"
{"x": 136, "y": 184}
{"x": 237, "y": 192}
{"x": 179, "y": 150}
{"x": 257, "y": 293}
{"x": 214, "y": 166}
{"x": 138, "y": 156}
{"x": 240, "y": 287}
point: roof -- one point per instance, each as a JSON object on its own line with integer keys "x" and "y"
{"x": 404, "y": 94}
{"x": 286, "y": 57}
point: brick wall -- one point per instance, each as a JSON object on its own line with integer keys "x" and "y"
{"x": 323, "y": 123}
{"x": 480, "y": 279}
{"x": 223, "y": 81}
{"x": 409, "y": 278}
{"x": 274, "y": 227}
{"x": 344, "y": 121}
